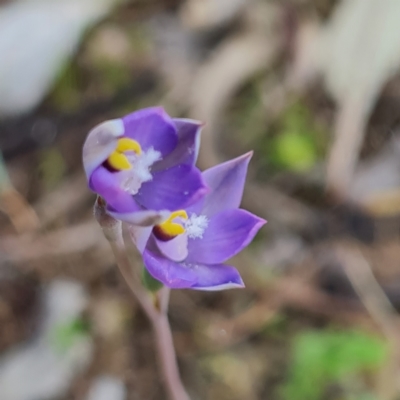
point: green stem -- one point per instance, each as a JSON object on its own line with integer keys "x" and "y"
{"x": 155, "y": 310}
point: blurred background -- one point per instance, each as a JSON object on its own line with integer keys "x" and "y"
{"x": 313, "y": 86}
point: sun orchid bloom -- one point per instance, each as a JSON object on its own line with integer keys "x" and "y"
{"x": 142, "y": 165}
{"x": 188, "y": 249}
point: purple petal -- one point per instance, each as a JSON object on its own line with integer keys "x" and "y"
{"x": 172, "y": 189}
{"x": 227, "y": 234}
{"x": 100, "y": 143}
{"x": 187, "y": 149}
{"x": 152, "y": 127}
{"x": 140, "y": 217}
{"x": 191, "y": 276}
{"x": 175, "y": 249}
{"x": 120, "y": 204}
{"x": 218, "y": 277}
{"x": 107, "y": 185}
{"x": 226, "y": 182}
{"x": 189, "y": 137}
{"x": 170, "y": 273}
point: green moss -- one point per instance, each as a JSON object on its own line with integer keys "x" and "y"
{"x": 323, "y": 358}
{"x": 293, "y": 151}
{"x": 65, "y": 335}
{"x": 298, "y": 143}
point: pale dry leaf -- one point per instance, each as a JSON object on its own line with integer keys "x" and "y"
{"x": 177, "y": 54}
{"x": 356, "y": 52}
{"x": 233, "y": 63}
{"x": 38, "y": 369}
{"x": 209, "y": 14}
{"x": 36, "y": 38}
{"x": 376, "y": 182}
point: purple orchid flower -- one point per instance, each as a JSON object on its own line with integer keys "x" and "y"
{"x": 143, "y": 165}
{"x": 189, "y": 248}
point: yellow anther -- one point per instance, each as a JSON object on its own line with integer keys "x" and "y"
{"x": 117, "y": 159}
{"x": 171, "y": 228}
{"x": 176, "y": 214}
{"x": 126, "y": 144}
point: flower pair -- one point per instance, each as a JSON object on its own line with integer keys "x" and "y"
{"x": 185, "y": 223}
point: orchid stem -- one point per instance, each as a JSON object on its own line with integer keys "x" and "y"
{"x": 166, "y": 350}
{"x": 155, "y": 310}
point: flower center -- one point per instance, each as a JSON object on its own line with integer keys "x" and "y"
{"x": 178, "y": 223}
{"x": 133, "y": 164}
{"x": 195, "y": 226}
{"x": 171, "y": 228}
{"x": 117, "y": 159}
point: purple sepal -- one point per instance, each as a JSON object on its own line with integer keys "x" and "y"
{"x": 227, "y": 233}
{"x": 152, "y": 127}
{"x": 226, "y": 182}
{"x": 191, "y": 276}
{"x": 172, "y": 189}
{"x": 187, "y": 149}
